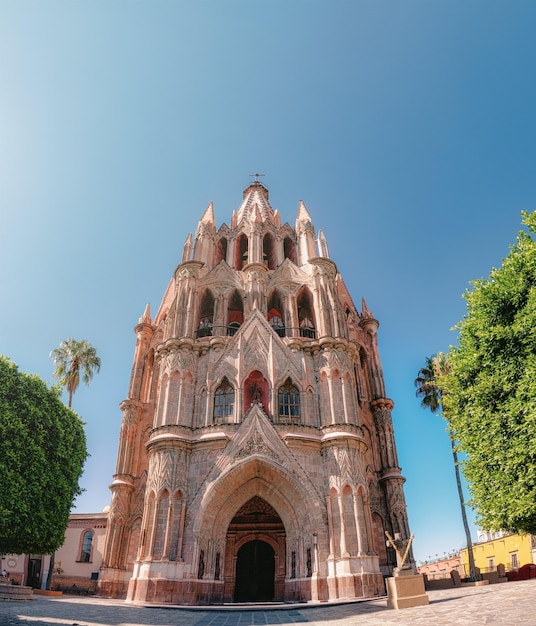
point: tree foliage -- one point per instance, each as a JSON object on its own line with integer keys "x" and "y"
{"x": 71, "y": 358}
{"x": 42, "y": 454}
{"x": 490, "y": 393}
{"x": 426, "y": 384}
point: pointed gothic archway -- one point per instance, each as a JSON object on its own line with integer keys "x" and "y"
{"x": 255, "y": 549}
{"x": 259, "y": 471}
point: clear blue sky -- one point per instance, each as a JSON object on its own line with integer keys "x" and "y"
{"x": 408, "y": 129}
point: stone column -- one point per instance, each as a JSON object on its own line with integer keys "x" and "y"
{"x": 344, "y": 550}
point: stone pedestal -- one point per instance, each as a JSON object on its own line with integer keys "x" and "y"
{"x": 15, "y": 593}
{"x": 406, "y": 591}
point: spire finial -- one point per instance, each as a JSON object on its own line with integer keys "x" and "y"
{"x": 146, "y": 317}
{"x": 365, "y": 311}
{"x": 257, "y": 176}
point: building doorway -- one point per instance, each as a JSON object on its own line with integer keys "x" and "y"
{"x": 255, "y": 558}
{"x": 255, "y": 572}
{"x": 33, "y": 573}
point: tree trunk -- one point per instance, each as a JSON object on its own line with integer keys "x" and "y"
{"x": 50, "y": 570}
{"x": 472, "y": 571}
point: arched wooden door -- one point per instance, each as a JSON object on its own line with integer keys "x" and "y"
{"x": 255, "y": 554}
{"x": 255, "y": 572}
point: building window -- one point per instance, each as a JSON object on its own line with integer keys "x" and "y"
{"x": 289, "y": 400}
{"x": 491, "y": 564}
{"x": 307, "y": 328}
{"x": 514, "y": 563}
{"x": 224, "y": 402}
{"x": 85, "y": 552}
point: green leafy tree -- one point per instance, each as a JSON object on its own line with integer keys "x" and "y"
{"x": 42, "y": 454}
{"x": 490, "y": 392}
{"x": 431, "y": 398}
{"x": 74, "y": 358}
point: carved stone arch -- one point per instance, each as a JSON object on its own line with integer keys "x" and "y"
{"x": 269, "y": 255}
{"x": 224, "y": 231}
{"x": 306, "y": 312}
{"x": 289, "y": 248}
{"x": 234, "y": 316}
{"x": 277, "y": 314}
{"x": 311, "y": 406}
{"x": 256, "y": 389}
{"x": 256, "y": 536}
{"x": 347, "y": 487}
{"x": 361, "y": 489}
{"x": 284, "y": 376}
{"x": 222, "y": 247}
{"x": 241, "y": 251}
{"x": 295, "y": 503}
{"x": 200, "y": 406}
{"x": 205, "y": 313}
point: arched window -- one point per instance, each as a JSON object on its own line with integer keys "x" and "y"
{"x": 275, "y": 313}
{"x": 85, "y": 552}
{"x": 241, "y": 252}
{"x": 224, "y": 402}
{"x": 256, "y": 389}
{"x": 206, "y": 315}
{"x": 305, "y": 314}
{"x": 221, "y": 250}
{"x": 235, "y": 313}
{"x": 289, "y": 250}
{"x": 268, "y": 252}
{"x": 289, "y": 401}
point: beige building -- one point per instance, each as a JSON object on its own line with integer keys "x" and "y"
{"x": 440, "y": 569}
{"x": 257, "y": 458}
{"x": 77, "y": 562}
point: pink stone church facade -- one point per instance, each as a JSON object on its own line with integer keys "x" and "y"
{"x": 257, "y": 459}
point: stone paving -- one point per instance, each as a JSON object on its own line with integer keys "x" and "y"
{"x": 507, "y": 604}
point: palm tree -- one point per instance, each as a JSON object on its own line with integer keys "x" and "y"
{"x": 71, "y": 358}
{"x": 430, "y": 394}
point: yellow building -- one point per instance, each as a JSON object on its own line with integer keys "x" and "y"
{"x": 512, "y": 551}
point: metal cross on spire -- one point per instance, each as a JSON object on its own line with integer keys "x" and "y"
{"x": 257, "y": 176}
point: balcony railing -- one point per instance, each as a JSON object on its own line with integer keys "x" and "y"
{"x": 208, "y": 330}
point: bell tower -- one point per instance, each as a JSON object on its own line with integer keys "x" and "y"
{"x": 257, "y": 457}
